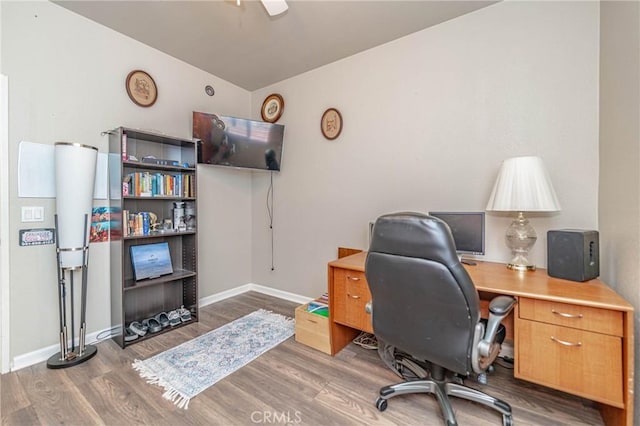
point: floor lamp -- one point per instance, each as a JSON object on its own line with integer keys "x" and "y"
{"x": 75, "y": 172}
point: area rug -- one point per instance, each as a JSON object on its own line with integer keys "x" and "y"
{"x": 188, "y": 369}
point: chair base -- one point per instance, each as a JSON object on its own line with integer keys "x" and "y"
{"x": 442, "y": 390}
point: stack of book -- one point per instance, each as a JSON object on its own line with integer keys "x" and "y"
{"x": 319, "y": 306}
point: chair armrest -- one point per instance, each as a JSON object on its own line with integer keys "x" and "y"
{"x": 502, "y": 305}
{"x": 499, "y": 308}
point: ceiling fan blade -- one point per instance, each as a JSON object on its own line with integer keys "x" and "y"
{"x": 275, "y": 7}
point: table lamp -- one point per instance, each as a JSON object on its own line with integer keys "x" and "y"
{"x": 523, "y": 185}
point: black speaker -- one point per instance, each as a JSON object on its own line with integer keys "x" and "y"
{"x": 573, "y": 254}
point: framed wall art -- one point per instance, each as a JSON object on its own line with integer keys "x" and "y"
{"x": 141, "y": 88}
{"x": 272, "y": 108}
{"x": 331, "y": 123}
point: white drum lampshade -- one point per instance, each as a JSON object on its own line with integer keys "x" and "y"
{"x": 75, "y": 166}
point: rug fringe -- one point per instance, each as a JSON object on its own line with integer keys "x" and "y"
{"x": 285, "y": 319}
{"x": 171, "y": 394}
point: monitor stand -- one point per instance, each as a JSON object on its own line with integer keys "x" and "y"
{"x": 466, "y": 261}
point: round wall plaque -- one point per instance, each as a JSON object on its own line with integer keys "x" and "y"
{"x": 141, "y": 88}
{"x": 331, "y": 123}
{"x": 272, "y": 108}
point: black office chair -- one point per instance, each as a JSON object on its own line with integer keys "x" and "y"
{"x": 425, "y": 305}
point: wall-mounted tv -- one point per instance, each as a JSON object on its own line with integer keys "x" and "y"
{"x": 238, "y": 142}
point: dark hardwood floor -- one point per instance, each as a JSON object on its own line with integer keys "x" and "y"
{"x": 290, "y": 384}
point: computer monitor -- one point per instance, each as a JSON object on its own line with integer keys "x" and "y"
{"x": 467, "y": 229}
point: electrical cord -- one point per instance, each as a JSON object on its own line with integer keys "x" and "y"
{"x": 270, "y": 213}
{"x": 366, "y": 340}
{"x": 504, "y": 362}
{"x": 105, "y": 334}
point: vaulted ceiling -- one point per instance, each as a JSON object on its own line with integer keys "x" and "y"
{"x": 245, "y": 46}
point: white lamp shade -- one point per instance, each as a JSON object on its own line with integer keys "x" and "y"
{"x": 75, "y": 166}
{"x": 523, "y": 185}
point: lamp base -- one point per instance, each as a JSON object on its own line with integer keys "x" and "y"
{"x": 55, "y": 361}
{"x": 520, "y": 238}
{"x": 518, "y": 267}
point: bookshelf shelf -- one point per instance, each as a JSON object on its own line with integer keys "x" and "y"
{"x": 151, "y": 191}
{"x": 176, "y": 276}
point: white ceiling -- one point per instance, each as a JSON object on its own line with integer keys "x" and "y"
{"x": 244, "y": 45}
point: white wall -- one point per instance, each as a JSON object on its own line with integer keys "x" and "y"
{"x": 427, "y": 121}
{"x": 66, "y": 82}
{"x": 619, "y": 207}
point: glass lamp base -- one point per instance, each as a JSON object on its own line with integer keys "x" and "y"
{"x": 520, "y": 238}
{"x": 520, "y": 267}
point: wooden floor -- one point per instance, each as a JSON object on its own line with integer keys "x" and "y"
{"x": 290, "y": 384}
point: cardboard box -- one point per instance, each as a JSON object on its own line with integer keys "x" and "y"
{"x": 312, "y": 330}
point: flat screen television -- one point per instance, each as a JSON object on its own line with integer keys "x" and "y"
{"x": 238, "y": 142}
{"x": 151, "y": 260}
{"x": 467, "y": 229}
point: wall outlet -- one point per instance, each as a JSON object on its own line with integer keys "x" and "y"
{"x": 33, "y": 214}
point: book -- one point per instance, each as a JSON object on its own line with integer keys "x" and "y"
{"x": 319, "y": 306}
{"x": 319, "y": 310}
{"x": 124, "y": 146}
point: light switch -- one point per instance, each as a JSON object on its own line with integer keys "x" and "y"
{"x": 33, "y": 214}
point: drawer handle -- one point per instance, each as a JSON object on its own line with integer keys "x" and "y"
{"x": 565, "y": 315}
{"x": 353, "y": 296}
{"x": 353, "y": 278}
{"x": 562, "y": 342}
{"x": 312, "y": 321}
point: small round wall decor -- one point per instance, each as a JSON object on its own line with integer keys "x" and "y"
{"x": 272, "y": 108}
{"x": 141, "y": 88}
{"x": 331, "y": 123}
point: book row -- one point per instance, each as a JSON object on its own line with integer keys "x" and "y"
{"x": 147, "y": 184}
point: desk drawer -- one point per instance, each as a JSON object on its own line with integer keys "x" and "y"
{"x": 576, "y": 361}
{"x": 351, "y": 296}
{"x": 312, "y": 330}
{"x": 582, "y": 317}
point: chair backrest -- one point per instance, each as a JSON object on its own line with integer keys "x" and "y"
{"x": 424, "y": 302}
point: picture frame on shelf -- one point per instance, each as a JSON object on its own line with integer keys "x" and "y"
{"x": 272, "y": 108}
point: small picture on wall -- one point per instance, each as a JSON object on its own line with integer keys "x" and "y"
{"x": 100, "y": 224}
{"x": 331, "y": 123}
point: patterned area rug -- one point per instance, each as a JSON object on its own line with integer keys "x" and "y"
{"x": 188, "y": 369}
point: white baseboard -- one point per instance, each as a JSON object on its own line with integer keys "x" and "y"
{"x": 43, "y": 354}
{"x": 280, "y": 294}
{"x": 223, "y": 295}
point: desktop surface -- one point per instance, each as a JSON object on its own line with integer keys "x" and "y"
{"x": 493, "y": 277}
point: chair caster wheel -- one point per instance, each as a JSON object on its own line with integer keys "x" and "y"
{"x": 381, "y": 404}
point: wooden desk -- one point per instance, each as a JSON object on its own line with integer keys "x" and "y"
{"x": 570, "y": 336}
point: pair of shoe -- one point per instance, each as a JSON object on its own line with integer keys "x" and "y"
{"x": 174, "y": 318}
{"x": 139, "y": 329}
{"x": 136, "y": 329}
{"x": 185, "y": 314}
{"x": 152, "y": 324}
{"x": 179, "y": 315}
{"x": 163, "y": 319}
